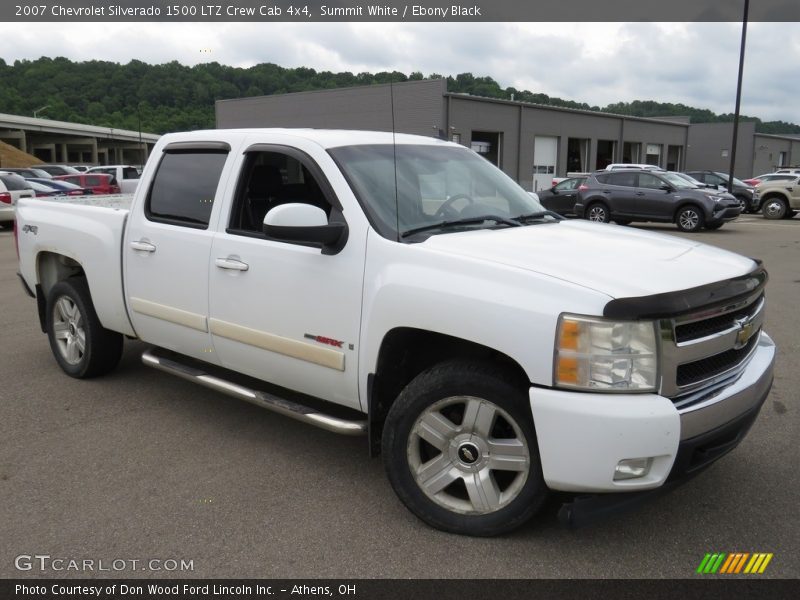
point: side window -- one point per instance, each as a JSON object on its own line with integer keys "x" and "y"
{"x": 622, "y": 179}
{"x": 701, "y": 177}
{"x": 184, "y": 187}
{"x": 566, "y": 185}
{"x": 714, "y": 179}
{"x": 269, "y": 179}
{"x": 130, "y": 173}
{"x": 651, "y": 182}
{"x": 94, "y": 180}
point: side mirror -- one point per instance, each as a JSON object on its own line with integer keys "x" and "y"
{"x": 303, "y": 224}
{"x": 667, "y": 188}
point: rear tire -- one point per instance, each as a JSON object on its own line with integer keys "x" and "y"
{"x": 774, "y": 208}
{"x": 80, "y": 344}
{"x": 689, "y": 219}
{"x": 460, "y": 450}
{"x": 598, "y": 212}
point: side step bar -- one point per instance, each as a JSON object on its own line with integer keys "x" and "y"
{"x": 259, "y": 398}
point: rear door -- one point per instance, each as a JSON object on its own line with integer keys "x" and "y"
{"x": 167, "y": 247}
{"x": 618, "y": 190}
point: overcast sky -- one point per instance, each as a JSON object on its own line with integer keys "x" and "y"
{"x": 596, "y": 63}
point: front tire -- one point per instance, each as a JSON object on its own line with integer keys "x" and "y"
{"x": 689, "y": 219}
{"x": 80, "y": 344}
{"x": 460, "y": 450}
{"x": 775, "y": 208}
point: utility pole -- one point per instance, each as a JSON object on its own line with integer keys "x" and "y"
{"x": 738, "y": 97}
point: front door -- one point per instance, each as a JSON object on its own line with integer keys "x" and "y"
{"x": 283, "y": 312}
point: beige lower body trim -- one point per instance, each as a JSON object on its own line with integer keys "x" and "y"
{"x": 169, "y": 313}
{"x": 325, "y": 357}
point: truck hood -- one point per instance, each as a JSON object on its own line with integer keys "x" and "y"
{"x": 611, "y": 259}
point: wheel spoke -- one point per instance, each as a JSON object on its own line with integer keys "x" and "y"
{"x": 508, "y": 455}
{"x": 479, "y": 417}
{"x": 80, "y": 341}
{"x": 60, "y": 330}
{"x": 72, "y": 351}
{"x": 483, "y": 491}
{"x": 437, "y": 474}
{"x": 436, "y": 429}
{"x": 63, "y": 309}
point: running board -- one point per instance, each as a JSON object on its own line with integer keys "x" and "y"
{"x": 259, "y": 398}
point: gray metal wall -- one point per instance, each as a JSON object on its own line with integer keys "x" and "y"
{"x": 710, "y": 145}
{"x": 418, "y": 108}
{"x": 520, "y": 124}
{"x": 425, "y": 108}
{"x": 766, "y": 149}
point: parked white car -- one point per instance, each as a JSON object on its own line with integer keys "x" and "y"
{"x": 12, "y": 188}
{"x": 127, "y": 176}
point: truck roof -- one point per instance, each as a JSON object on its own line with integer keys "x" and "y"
{"x": 327, "y": 138}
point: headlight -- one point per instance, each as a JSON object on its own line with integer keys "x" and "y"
{"x": 715, "y": 198}
{"x": 599, "y": 355}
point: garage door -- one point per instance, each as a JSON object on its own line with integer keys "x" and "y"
{"x": 545, "y": 154}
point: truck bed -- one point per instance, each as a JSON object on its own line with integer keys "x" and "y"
{"x": 88, "y": 230}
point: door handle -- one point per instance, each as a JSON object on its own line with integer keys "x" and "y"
{"x": 606, "y": 191}
{"x": 640, "y": 193}
{"x": 143, "y": 246}
{"x": 231, "y": 264}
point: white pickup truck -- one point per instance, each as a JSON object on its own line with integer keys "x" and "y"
{"x": 404, "y": 288}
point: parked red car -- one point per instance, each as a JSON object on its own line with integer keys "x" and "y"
{"x": 99, "y": 183}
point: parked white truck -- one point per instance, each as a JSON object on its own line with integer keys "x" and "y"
{"x": 404, "y": 288}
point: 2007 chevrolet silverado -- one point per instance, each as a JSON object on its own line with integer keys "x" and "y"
{"x": 405, "y": 288}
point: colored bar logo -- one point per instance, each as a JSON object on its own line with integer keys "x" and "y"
{"x": 734, "y": 563}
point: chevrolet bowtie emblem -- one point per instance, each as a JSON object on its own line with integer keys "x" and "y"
{"x": 746, "y": 331}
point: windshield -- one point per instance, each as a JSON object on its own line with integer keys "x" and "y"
{"x": 678, "y": 181}
{"x": 738, "y": 182}
{"x": 434, "y": 184}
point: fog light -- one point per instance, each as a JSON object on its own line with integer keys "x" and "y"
{"x": 632, "y": 468}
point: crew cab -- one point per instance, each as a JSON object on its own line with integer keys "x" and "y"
{"x": 405, "y": 289}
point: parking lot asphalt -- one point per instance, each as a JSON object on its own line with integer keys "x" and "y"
{"x": 141, "y": 465}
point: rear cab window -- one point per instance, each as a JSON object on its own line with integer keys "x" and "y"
{"x": 184, "y": 186}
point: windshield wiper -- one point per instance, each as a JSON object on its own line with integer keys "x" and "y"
{"x": 458, "y": 222}
{"x": 538, "y": 215}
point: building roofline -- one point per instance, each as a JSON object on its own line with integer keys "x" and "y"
{"x": 583, "y": 111}
{"x": 789, "y": 137}
{"x": 370, "y": 86}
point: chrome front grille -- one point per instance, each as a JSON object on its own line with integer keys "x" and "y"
{"x": 702, "y": 349}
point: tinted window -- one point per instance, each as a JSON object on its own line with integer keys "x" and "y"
{"x": 94, "y": 180}
{"x": 184, "y": 188}
{"x": 623, "y": 179}
{"x": 714, "y": 179}
{"x": 130, "y": 173}
{"x": 270, "y": 179}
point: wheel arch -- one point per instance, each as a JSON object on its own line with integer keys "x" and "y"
{"x": 405, "y": 352}
{"x": 685, "y": 204}
{"x": 52, "y": 267}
